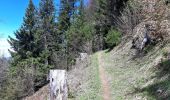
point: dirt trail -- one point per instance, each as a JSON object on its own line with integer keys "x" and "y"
{"x": 106, "y": 93}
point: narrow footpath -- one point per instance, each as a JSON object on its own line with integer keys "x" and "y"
{"x": 106, "y": 93}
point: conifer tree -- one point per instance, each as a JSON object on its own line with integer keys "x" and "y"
{"x": 82, "y": 30}
{"x": 47, "y": 31}
{"x": 64, "y": 22}
{"x": 24, "y": 44}
{"x": 23, "y": 58}
{"x": 106, "y": 18}
{"x": 100, "y": 17}
{"x": 64, "y": 15}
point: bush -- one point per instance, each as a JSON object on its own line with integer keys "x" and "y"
{"x": 113, "y": 38}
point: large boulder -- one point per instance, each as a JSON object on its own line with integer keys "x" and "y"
{"x": 157, "y": 31}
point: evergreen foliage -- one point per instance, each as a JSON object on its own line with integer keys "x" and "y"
{"x": 21, "y": 74}
{"x": 25, "y": 39}
{"x": 47, "y": 31}
{"x": 64, "y": 22}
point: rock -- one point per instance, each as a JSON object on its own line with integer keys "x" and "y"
{"x": 157, "y": 31}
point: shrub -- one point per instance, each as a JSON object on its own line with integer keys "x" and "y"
{"x": 113, "y": 38}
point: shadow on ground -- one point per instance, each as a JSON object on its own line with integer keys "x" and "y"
{"x": 160, "y": 89}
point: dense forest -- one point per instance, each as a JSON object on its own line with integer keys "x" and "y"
{"x": 52, "y": 38}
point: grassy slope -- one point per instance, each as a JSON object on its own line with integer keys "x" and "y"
{"x": 144, "y": 78}
{"x": 90, "y": 88}
{"x": 93, "y": 91}
{"x": 140, "y": 78}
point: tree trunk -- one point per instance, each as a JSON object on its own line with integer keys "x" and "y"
{"x": 58, "y": 85}
{"x": 46, "y": 48}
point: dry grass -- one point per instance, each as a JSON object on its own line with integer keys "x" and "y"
{"x": 42, "y": 94}
{"x": 84, "y": 82}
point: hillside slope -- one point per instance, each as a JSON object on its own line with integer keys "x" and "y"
{"x": 131, "y": 77}
{"x": 138, "y": 78}
{"x": 145, "y": 77}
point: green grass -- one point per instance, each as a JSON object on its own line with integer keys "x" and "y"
{"x": 130, "y": 79}
{"x": 124, "y": 77}
{"x": 93, "y": 89}
{"x": 160, "y": 88}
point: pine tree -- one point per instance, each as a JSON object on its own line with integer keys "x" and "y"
{"x": 24, "y": 44}
{"x": 47, "y": 31}
{"x": 23, "y": 61}
{"x": 82, "y": 30}
{"x": 101, "y": 28}
{"x": 66, "y": 11}
{"x": 106, "y": 18}
{"x": 64, "y": 15}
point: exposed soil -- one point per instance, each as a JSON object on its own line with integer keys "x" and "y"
{"x": 106, "y": 93}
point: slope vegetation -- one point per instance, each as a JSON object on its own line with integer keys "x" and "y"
{"x": 144, "y": 77}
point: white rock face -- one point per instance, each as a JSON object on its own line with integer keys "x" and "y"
{"x": 4, "y": 46}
